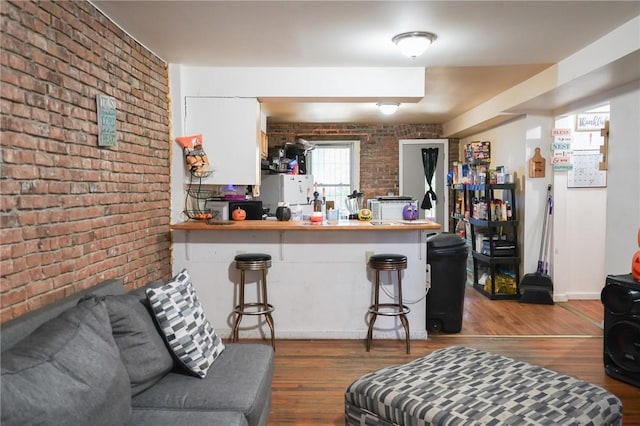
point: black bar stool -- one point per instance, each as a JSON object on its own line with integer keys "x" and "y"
{"x": 388, "y": 262}
{"x": 254, "y": 262}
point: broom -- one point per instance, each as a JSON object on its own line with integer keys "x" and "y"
{"x": 538, "y": 286}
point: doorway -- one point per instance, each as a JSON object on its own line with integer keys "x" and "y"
{"x": 413, "y": 182}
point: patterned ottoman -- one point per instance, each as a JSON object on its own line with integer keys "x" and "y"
{"x": 464, "y": 386}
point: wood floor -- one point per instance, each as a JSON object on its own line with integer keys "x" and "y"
{"x": 311, "y": 375}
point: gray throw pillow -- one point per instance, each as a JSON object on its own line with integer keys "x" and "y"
{"x": 143, "y": 352}
{"x": 67, "y": 372}
{"x": 185, "y": 328}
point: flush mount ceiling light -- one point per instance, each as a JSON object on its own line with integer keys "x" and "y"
{"x": 414, "y": 43}
{"x": 388, "y": 108}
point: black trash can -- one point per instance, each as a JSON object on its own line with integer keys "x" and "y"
{"x": 447, "y": 259}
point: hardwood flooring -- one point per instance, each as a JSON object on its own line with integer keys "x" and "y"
{"x": 311, "y": 375}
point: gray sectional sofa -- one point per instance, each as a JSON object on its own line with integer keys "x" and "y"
{"x": 97, "y": 358}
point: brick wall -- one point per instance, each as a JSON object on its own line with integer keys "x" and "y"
{"x": 378, "y": 150}
{"x": 73, "y": 214}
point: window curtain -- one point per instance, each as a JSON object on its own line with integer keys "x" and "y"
{"x": 429, "y": 162}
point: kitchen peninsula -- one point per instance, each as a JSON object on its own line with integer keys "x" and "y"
{"x": 319, "y": 282}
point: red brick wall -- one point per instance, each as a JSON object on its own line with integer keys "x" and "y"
{"x": 73, "y": 214}
{"x": 378, "y": 150}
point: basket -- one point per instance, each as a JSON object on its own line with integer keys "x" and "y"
{"x": 198, "y": 214}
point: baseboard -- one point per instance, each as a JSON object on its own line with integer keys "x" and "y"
{"x": 328, "y": 334}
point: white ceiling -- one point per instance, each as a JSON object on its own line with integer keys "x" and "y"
{"x": 483, "y": 47}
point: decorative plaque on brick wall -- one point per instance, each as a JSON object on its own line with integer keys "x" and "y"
{"x": 106, "y": 120}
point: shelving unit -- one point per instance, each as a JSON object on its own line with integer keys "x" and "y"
{"x": 495, "y": 249}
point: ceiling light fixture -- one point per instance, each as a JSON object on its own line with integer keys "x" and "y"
{"x": 388, "y": 108}
{"x": 414, "y": 43}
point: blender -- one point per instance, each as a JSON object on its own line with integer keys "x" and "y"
{"x": 354, "y": 203}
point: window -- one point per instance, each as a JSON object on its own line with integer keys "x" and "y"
{"x": 335, "y": 166}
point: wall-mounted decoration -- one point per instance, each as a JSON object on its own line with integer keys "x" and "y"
{"x": 195, "y": 157}
{"x": 604, "y": 148}
{"x": 562, "y": 149}
{"x": 585, "y": 172}
{"x": 537, "y": 165}
{"x": 591, "y": 121}
{"x": 106, "y": 113}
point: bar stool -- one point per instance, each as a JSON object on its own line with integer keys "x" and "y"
{"x": 388, "y": 262}
{"x": 253, "y": 262}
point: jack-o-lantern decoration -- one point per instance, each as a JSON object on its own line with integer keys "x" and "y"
{"x": 410, "y": 212}
{"x": 635, "y": 262}
{"x": 238, "y": 214}
{"x": 365, "y": 214}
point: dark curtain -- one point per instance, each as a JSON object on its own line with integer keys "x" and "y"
{"x": 429, "y": 162}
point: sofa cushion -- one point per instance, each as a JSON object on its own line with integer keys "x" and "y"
{"x": 67, "y": 372}
{"x": 239, "y": 380}
{"x": 143, "y": 352}
{"x": 18, "y": 328}
{"x": 160, "y": 417}
{"x": 185, "y": 328}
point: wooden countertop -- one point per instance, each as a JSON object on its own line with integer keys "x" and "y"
{"x": 305, "y": 225}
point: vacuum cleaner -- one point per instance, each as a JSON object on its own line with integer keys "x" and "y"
{"x": 538, "y": 286}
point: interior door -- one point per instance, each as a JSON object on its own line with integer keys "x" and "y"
{"x": 413, "y": 182}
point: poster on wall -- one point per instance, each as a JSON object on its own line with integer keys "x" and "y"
{"x": 562, "y": 150}
{"x": 106, "y": 117}
{"x": 591, "y": 121}
{"x": 585, "y": 172}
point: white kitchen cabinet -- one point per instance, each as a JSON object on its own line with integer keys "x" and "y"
{"x": 230, "y": 128}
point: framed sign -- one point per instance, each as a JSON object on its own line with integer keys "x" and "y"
{"x": 591, "y": 121}
{"x": 106, "y": 114}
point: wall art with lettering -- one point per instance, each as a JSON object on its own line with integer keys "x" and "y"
{"x": 591, "y": 121}
{"x": 106, "y": 113}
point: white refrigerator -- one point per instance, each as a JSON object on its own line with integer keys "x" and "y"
{"x": 293, "y": 190}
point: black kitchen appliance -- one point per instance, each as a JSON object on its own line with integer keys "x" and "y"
{"x": 252, "y": 207}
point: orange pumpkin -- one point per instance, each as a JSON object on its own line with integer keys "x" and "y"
{"x": 635, "y": 266}
{"x": 238, "y": 214}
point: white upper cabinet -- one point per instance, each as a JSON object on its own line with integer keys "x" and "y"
{"x": 230, "y": 128}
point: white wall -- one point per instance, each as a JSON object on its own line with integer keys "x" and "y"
{"x": 512, "y": 144}
{"x": 594, "y": 229}
{"x": 579, "y": 225}
{"x": 623, "y": 195}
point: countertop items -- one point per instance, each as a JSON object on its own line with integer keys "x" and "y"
{"x": 305, "y": 225}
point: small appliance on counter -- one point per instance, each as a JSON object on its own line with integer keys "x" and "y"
{"x": 390, "y": 207}
{"x": 253, "y": 208}
{"x": 219, "y": 209}
{"x": 354, "y": 203}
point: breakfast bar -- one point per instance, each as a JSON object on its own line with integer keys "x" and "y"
{"x": 319, "y": 282}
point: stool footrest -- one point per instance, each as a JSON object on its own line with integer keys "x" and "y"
{"x": 260, "y": 309}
